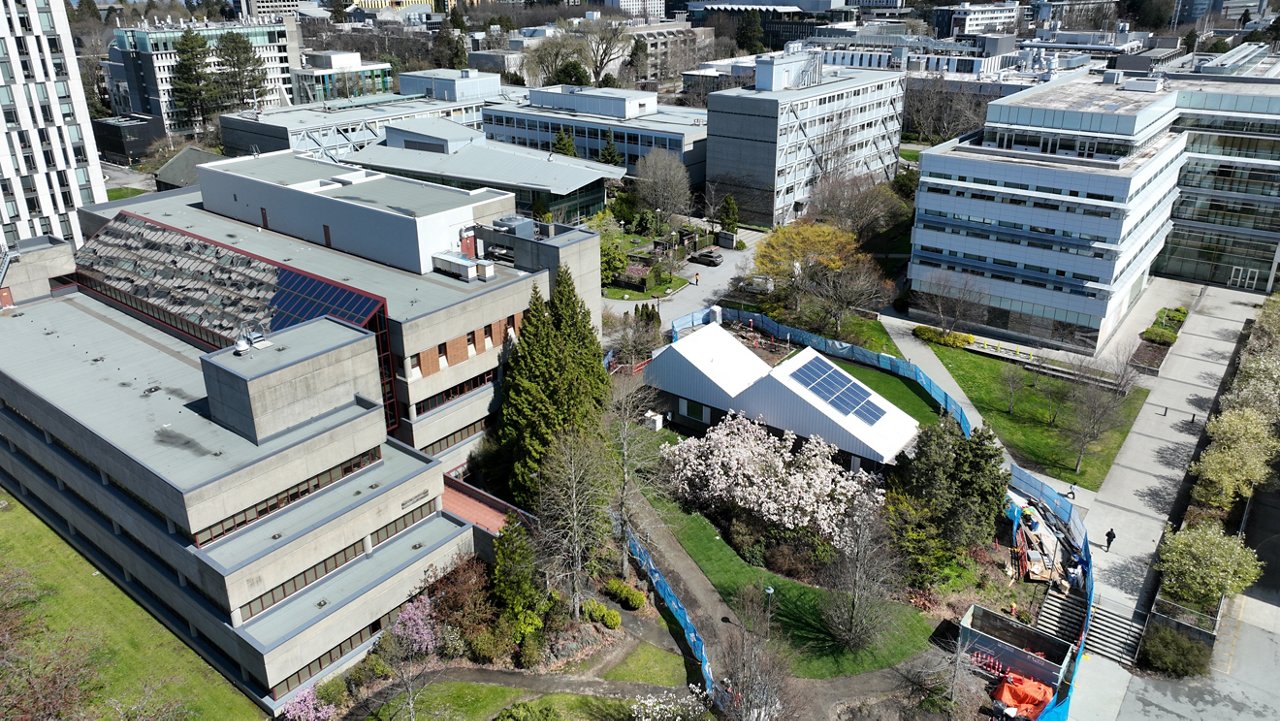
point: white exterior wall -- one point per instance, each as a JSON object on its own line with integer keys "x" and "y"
{"x": 48, "y": 161}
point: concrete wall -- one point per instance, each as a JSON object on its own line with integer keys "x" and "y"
{"x": 29, "y": 274}
{"x": 244, "y": 136}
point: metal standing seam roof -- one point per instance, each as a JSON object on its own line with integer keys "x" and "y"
{"x": 491, "y": 164}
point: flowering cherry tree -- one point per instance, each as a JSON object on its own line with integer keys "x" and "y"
{"x": 415, "y": 627}
{"x": 306, "y": 707}
{"x": 740, "y": 464}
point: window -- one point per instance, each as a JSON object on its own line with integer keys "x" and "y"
{"x": 463, "y": 388}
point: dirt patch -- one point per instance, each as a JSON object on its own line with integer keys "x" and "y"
{"x": 1149, "y": 357}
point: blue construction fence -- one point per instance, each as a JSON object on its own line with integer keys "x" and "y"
{"x": 669, "y": 598}
{"x": 1020, "y": 481}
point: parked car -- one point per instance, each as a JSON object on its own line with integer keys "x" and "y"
{"x": 707, "y": 257}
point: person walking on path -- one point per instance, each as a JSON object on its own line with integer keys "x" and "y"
{"x": 697, "y": 279}
{"x": 1111, "y": 537}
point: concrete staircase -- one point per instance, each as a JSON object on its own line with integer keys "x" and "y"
{"x": 1112, "y": 634}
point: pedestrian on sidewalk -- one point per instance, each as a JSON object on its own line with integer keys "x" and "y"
{"x": 1111, "y": 537}
{"x": 697, "y": 279}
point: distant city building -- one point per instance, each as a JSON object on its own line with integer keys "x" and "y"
{"x": 1077, "y": 190}
{"x": 266, "y": 8}
{"x": 126, "y": 139}
{"x": 770, "y": 144}
{"x": 971, "y": 19}
{"x": 49, "y": 161}
{"x": 439, "y": 151}
{"x": 333, "y": 129}
{"x": 633, "y": 118}
{"x": 1077, "y": 14}
{"x": 639, "y": 8}
{"x": 141, "y": 60}
{"x": 671, "y": 47}
{"x": 1224, "y": 11}
{"x": 335, "y": 74}
{"x": 882, "y": 9}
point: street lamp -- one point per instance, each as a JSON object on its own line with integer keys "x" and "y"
{"x": 768, "y": 611}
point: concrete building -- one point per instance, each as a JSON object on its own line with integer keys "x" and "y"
{"x": 654, "y": 9}
{"x": 671, "y": 47}
{"x": 1051, "y": 217}
{"x": 1079, "y": 14}
{"x": 141, "y": 60}
{"x": 637, "y": 122}
{"x": 770, "y": 144}
{"x": 49, "y": 161}
{"x": 276, "y": 398}
{"x": 335, "y": 128}
{"x": 335, "y": 74}
{"x": 1085, "y": 186}
{"x": 438, "y": 151}
{"x": 970, "y": 19}
{"x": 452, "y": 85}
{"x": 268, "y": 8}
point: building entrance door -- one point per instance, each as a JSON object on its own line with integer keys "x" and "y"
{"x": 1246, "y": 278}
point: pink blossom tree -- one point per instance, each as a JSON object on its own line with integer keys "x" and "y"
{"x": 304, "y": 706}
{"x": 415, "y": 627}
{"x": 739, "y": 463}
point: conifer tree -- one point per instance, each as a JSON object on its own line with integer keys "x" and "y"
{"x": 530, "y": 415}
{"x": 563, "y": 145}
{"x": 729, "y": 214}
{"x": 609, "y": 154}
{"x": 242, "y": 77}
{"x": 981, "y": 491}
{"x": 192, "y": 90}
{"x": 586, "y": 382}
{"x": 515, "y": 578}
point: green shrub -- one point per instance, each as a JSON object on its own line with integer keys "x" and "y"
{"x": 492, "y": 643}
{"x": 740, "y": 245}
{"x": 1177, "y": 315}
{"x": 525, "y": 711}
{"x": 597, "y": 612}
{"x": 371, "y": 668}
{"x": 333, "y": 692}
{"x": 1202, "y": 564}
{"x": 1167, "y": 651}
{"x": 929, "y": 334}
{"x": 449, "y": 641}
{"x": 1159, "y": 336}
{"x": 627, "y": 596}
{"x": 530, "y": 652}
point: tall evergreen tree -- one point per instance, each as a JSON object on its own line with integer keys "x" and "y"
{"x": 192, "y": 90}
{"x": 609, "y": 154}
{"x": 750, "y": 36}
{"x": 570, "y": 72}
{"x": 457, "y": 18}
{"x": 563, "y": 145}
{"x": 729, "y": 214}
{"x": 981, "y": 492}
{"x": 87, "y": 11}
{"x": 243, "y": 77}
{"x": 515, "y": 577}
{"x": 530, "y": 415}
{"x": 585, "y": 382}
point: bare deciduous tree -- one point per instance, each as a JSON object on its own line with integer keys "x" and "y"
{"x": 954, "y": 299}
{"x": 948, "y": 674}
{"x": 856, "y": 203}
{"x": 634, "y": 338}
{"x": 936, "y": 111}
{"x": 756, "y": 674}
{"x": 857, "y": 284}
{"x": 545, "y": 59}
{"x": 573, "y": 509}
{"x": 1058, "y": 393}
{"x": 636, "y": 450}
{"x": 606, "y": 42}
{"x": 662, "y": 184}
{"x": 1095, "y": 412}
{"x": 1013, "y": 379}
{"x": 151, "y": 704}
{"x": 864, "y": 574}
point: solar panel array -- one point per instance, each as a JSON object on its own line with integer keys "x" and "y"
{"x": 838, "y": 390}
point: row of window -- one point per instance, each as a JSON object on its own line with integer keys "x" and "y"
{"x": 1004, "y": 277}
{"x": 1089, "y": 210}
{"x": 1026, "y": 308}
{"x": 585, "y": 132}
{"x": 301, "y": 581}
{"x": 333, "y": 654}
{"x": 1015, "y": 240}
{"x": 287, "y": 496}
{"x": 1011, "y": 264}
{"x": 458, "y": 436}
{"x": 463, "y": 388}
{"x": 381, "y": 535}
{"x": 1021, "y": 186}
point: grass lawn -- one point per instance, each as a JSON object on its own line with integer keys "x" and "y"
{"x": 1026, "y": 432}
{"x": 122, "y": 193}
{"x": 649, "y": 664}
{"x": 911, "y": 155}
{"x": 797, "y": 614}
{"x": 129, "y": 647}
{"x": 659, "y": 291}
{"x": 585, "y": 708}
{"x": 460, "y": 700}
{"x": 870, "y": 334}
{"x": 903, "y": 393}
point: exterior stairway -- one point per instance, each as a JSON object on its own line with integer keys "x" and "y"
{"x": 1112, "y": 634}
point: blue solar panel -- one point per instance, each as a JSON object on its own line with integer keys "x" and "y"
{"x": 838, "y": 389}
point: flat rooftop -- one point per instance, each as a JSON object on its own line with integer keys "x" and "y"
{"x": 497, "y": 163}
{"x": 369, "y": 108}
{"x": 135, "y": 387}
{"x": 831, "y": 80}
{"x": 1087, "y": 94}
{"x": 408, "y": 295}
{"x": 289, "y": 346}
{"x": 688, "y": 122}
{"x": 388, "y": 193}
{"x": 300, "y": 611}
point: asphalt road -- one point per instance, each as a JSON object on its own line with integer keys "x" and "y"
{"x": 122, "y": 177}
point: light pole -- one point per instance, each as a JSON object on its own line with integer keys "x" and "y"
{"x": 768, "y": 611}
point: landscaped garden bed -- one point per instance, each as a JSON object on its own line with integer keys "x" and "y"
{"x": 1157, "y": 339}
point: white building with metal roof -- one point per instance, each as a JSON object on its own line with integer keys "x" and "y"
{"x": 709, "y": 373}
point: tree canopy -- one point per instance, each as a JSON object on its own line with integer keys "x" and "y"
{"x": 563, "y": 144}
{"x": 242, "y": 77}
{"x": 192, "y": 90}
{"x": 804, "y": 244}
{"x": 609, "y": 153}
{"x": 1202, "y": 564}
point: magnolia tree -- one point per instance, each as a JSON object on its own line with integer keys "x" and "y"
{"x": 738, "y": 463}
{"x": 306, "y": 707}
